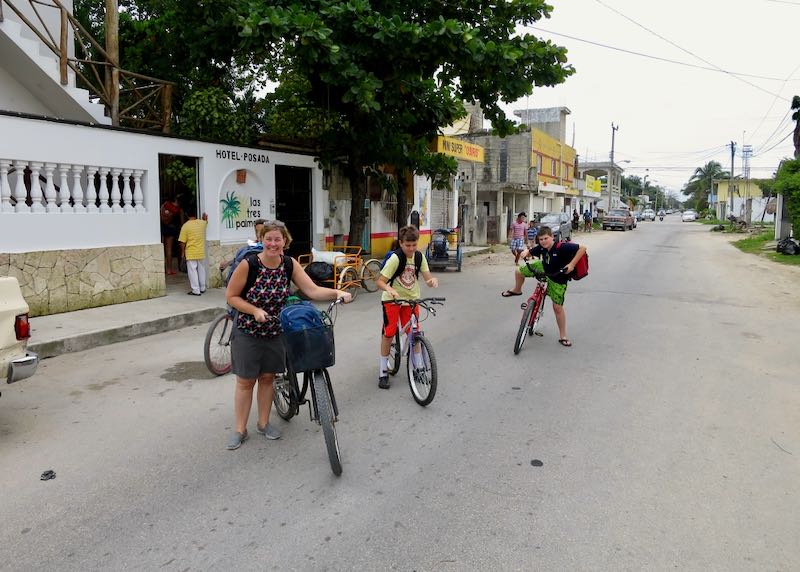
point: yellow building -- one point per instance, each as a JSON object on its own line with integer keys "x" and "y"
{"x": 555, "y": 162}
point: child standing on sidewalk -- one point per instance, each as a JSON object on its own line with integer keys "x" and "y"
{"x": 399, "y": 281}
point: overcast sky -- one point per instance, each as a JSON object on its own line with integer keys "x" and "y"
{"x": 673, "y": 118}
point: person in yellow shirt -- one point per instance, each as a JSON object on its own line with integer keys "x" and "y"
{"x": 193, "y": 249}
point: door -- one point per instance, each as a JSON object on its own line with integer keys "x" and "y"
{"x": 293, "y": 205}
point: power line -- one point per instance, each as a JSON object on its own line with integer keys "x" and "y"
{"x": 776, "y": 144}
{"x": 760, "y": 123}
{"x": 785, "y": 2}
{"x": 684, "y": 49}
{"x": 687, "y": 64}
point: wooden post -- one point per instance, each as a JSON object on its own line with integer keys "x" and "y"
{"x": 62, "y": 47}
{"x": 166, "y": 107}
{"x": 112, "y": 67}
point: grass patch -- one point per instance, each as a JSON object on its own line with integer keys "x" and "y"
{"x": 755, "y": 245}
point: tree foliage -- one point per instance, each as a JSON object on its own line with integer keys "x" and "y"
{"x": 701, "y": 184}
{"x": 390, "y": 74}
{"x": 787, "y": 183}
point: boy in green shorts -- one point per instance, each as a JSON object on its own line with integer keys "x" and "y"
{"x": 557, "y": 261}
{"x": 399, "y": 281}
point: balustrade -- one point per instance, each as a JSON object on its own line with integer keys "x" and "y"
{"x": 37, "y": 187}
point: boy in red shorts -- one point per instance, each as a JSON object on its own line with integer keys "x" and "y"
{"x": 399, "y": 281}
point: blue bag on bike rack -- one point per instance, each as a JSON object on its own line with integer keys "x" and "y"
{"x": 307, "y": 337}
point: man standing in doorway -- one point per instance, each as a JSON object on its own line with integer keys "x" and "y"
{"x": 518, "y": 232}
{"x": 193, "y": 249}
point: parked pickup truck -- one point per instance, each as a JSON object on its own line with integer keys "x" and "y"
{"x": 618, "y": 218}
{"x": 16, "y": 363}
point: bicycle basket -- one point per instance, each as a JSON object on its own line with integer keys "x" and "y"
{"x": 309, "y": 349}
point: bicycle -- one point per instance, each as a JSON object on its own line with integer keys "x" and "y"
{"x": 532, "y": 311}
{"x": 422, "y": 370}
{"x": 289, "y": 395}
{"x": 217, "y": 346}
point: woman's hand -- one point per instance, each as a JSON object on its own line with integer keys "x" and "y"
{"x": 260, "y": 315}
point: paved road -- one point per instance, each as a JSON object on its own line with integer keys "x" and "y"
{"x": 668, "y": 436}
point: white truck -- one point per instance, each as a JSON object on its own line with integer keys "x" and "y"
{"x": 16, "y": 363}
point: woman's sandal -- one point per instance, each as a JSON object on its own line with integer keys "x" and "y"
{"x": 565, "y": 342}
{"x": 509, "y": 293}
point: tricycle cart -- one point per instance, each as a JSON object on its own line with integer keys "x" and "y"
{"x": 444, "y": 249}
{"x": 350, "y": 271}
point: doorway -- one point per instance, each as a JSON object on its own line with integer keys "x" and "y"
{"x": 293, "y": 205}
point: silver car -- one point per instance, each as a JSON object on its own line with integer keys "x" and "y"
{"x": 559, "y": 223}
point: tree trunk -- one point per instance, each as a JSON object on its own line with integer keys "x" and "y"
{"x": 402, "y": 202}
{"x": 358, "y": 194}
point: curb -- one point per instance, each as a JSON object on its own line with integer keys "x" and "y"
{"x": 477, "y": 252}
{"x": 124, "y": 333}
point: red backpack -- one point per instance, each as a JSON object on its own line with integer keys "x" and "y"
{"x": 581, "y": 268}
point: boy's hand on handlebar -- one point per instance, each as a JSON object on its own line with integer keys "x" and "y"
{"x": 432, "y": 282}
{"x": 345, "y": 297}
{"x": 393, "y": 293}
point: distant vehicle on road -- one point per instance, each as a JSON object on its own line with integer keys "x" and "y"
{"x": 16, "y": 363}
{"x": 688, "y": 216}
{"x": 638, "y": 216}
{"x": 649, "y": 214}
{"x": 618, "y": 218}
{"x": 560, "y": 224}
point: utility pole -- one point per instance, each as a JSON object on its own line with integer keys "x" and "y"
{"x": 730, "y": 177}
{"x": 614, "y": 129}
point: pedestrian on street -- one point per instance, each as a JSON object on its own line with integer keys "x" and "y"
{"x": 518, "y": 231}
{"x": 170, "y": 214}
{"x": 576, "y": 219}
{"x": 558, "y": 260}
{"x": 533, "y": 230}
{"x": 587, "y": 220}
{"x": 257, "y": 351}
{"x": 193, "y": 249}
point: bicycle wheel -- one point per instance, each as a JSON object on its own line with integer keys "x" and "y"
{"x": 394, "y": 355}
{"x": 422, "y": 374}
{"x": 523, "y": 327}
{"x": 538, "y": 308}
{"x": 349, "y": 281}
{"x": 217, "y": 348}
{"x": 326, "y": 418}
{"x": 284, "y": 397}
{"x": 370, "y": 273}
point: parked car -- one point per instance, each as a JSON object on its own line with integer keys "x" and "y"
{"x": 638, "y": 216}
{"x": 688, "y": 216}
{"x": 649, "y": 214}
{"x": 618, "y": 218}
{"x": 15, "y": 361}
{"x": 559, "y": 223}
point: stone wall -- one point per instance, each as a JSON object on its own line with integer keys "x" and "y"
{"x": 216, "y": 253}
{"x": 65, "y": 280}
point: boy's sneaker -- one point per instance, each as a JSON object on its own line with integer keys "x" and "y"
{"x": 383, "y": 382}
{"x": 269, "y": 432}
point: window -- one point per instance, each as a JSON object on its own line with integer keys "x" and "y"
{"x": 553, "y": 167}
{"x": 538, "y": 163}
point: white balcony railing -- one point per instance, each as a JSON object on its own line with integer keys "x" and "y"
{"x": 55, "y": 188}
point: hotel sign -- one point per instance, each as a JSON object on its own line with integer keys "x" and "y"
{"x": 459, "y": 149}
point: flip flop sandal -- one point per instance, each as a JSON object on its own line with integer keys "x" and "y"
{"x": 509, "y": 293}
{"x": 565, "y": 342}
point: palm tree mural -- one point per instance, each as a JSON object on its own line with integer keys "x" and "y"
{"x": 230, "y": 208}
{"x": 702, "y": 181}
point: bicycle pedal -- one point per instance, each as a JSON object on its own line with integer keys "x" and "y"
{"x": 524, "y": 305}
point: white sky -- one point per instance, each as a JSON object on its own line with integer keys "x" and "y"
{"x": 673, "y": 118}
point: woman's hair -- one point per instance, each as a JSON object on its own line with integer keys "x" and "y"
{"x": 395, "y": 245}
{"x": 408, "y": 233}
{"x": 270, "y": 225}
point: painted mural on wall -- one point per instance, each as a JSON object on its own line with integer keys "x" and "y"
{"x": 243, "y": 199}
{"x": 422, "y": 188}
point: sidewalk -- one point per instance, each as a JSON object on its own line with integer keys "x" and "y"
{"x": 85, "y": 329}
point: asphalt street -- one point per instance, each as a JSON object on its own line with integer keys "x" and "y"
{"x": 667, "y": 437}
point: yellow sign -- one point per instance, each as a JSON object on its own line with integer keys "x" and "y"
{"x": 459, "y": 149}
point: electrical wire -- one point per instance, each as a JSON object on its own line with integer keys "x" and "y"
{"x": 760, "y": 123}
{"x": 684, "y": 49}
{"x": 776, "y": 144}
{"x": 687, "y": 64}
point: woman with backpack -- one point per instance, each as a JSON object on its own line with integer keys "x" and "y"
{"x": 258, "y": 290}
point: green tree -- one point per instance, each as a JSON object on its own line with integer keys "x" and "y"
{"x": 787, "y": 183}
{"x": 390, "y": 74}
{"x": 701, "y": 183}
